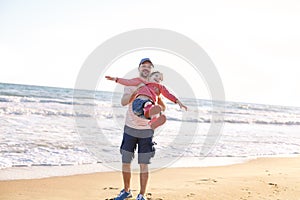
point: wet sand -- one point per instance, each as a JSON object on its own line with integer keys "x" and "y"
{"x": 263, "y": 178}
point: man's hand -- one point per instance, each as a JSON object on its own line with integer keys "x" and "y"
{"x": 125, "y": 100}
{"x": 111, "y": 78}
{"x": 134, "y": 93}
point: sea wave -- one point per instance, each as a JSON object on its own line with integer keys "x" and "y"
{"x": 56, "y": 101}
{"x": 4, "y": 99}
{"x": 106, "y": 112}
{"x": 30, "y": 100}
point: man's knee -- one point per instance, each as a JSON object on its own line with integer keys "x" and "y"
{"x": 127, "y": 156}
{"x": 126, "y": 167}
{"x": 143, "y": 168}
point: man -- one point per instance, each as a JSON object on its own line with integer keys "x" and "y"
{"x": 137, "y": 132}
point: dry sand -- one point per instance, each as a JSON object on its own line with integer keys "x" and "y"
{"x": 263, "y": 178}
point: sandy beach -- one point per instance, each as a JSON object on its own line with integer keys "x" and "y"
{"x": 263, "y": 178}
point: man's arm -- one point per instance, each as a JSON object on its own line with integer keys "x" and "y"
{"x": 130, "y": 94}
{"x": 125, "y": 100}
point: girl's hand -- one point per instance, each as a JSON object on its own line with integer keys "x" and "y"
{"x": 111, "y": 78}
{"x": 181, "y": 105}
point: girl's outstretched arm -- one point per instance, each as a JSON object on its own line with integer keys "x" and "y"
{"x": 126, "y": 82}
{"x": 171, "y": 97}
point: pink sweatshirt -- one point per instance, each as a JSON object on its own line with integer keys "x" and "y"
{"x": 131, "y": 119}
{"x": 151, "y": 89}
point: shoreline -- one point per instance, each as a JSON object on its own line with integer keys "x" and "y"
{"x": 262, "y": 178}
{"x": 40, "y": 172}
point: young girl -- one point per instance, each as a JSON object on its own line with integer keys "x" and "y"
{"x": 145, "y": 97}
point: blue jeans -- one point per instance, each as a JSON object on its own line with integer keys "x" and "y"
{"x": 138, "y": 107}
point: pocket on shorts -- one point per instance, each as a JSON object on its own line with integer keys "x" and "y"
{"x": 153, "y": 149}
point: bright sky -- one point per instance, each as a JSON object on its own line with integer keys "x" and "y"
{"x": 255, "y": 44}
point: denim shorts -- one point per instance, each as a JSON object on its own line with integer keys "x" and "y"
{"x": 143, "y": 139}
{"x": 138, "y": 106}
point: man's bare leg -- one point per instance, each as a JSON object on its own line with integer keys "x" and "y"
{"x": 126, "y": 171}
{"x": 143, "y": 178}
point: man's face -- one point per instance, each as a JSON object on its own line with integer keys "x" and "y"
{"x": 145, "y": 69}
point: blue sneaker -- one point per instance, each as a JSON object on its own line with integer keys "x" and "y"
{"x": 140, "y": 197}
{"x": 123, "y": 195}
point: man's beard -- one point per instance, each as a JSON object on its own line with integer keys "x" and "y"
{"x": 144, "y": 74}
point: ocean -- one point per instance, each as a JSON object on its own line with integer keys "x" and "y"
{"x": 39, "y": 128}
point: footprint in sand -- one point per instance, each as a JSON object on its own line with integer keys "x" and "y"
{"x": 275, "y": 187}
{"x": 149, "y": 197}
{"x": 206, "y": 180}
{"x": 190, "y": 195}
{"x": 110, "y": 188}
{"x": 273, "y": 184}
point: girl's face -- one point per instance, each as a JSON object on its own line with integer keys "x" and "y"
{"x": 156, "y": 77}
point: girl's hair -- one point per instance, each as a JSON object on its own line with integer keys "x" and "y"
{"x": 157, "y": 72}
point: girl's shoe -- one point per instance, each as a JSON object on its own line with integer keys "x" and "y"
{"x": 157, "y": 121}
{"x": 150, "y": 110}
